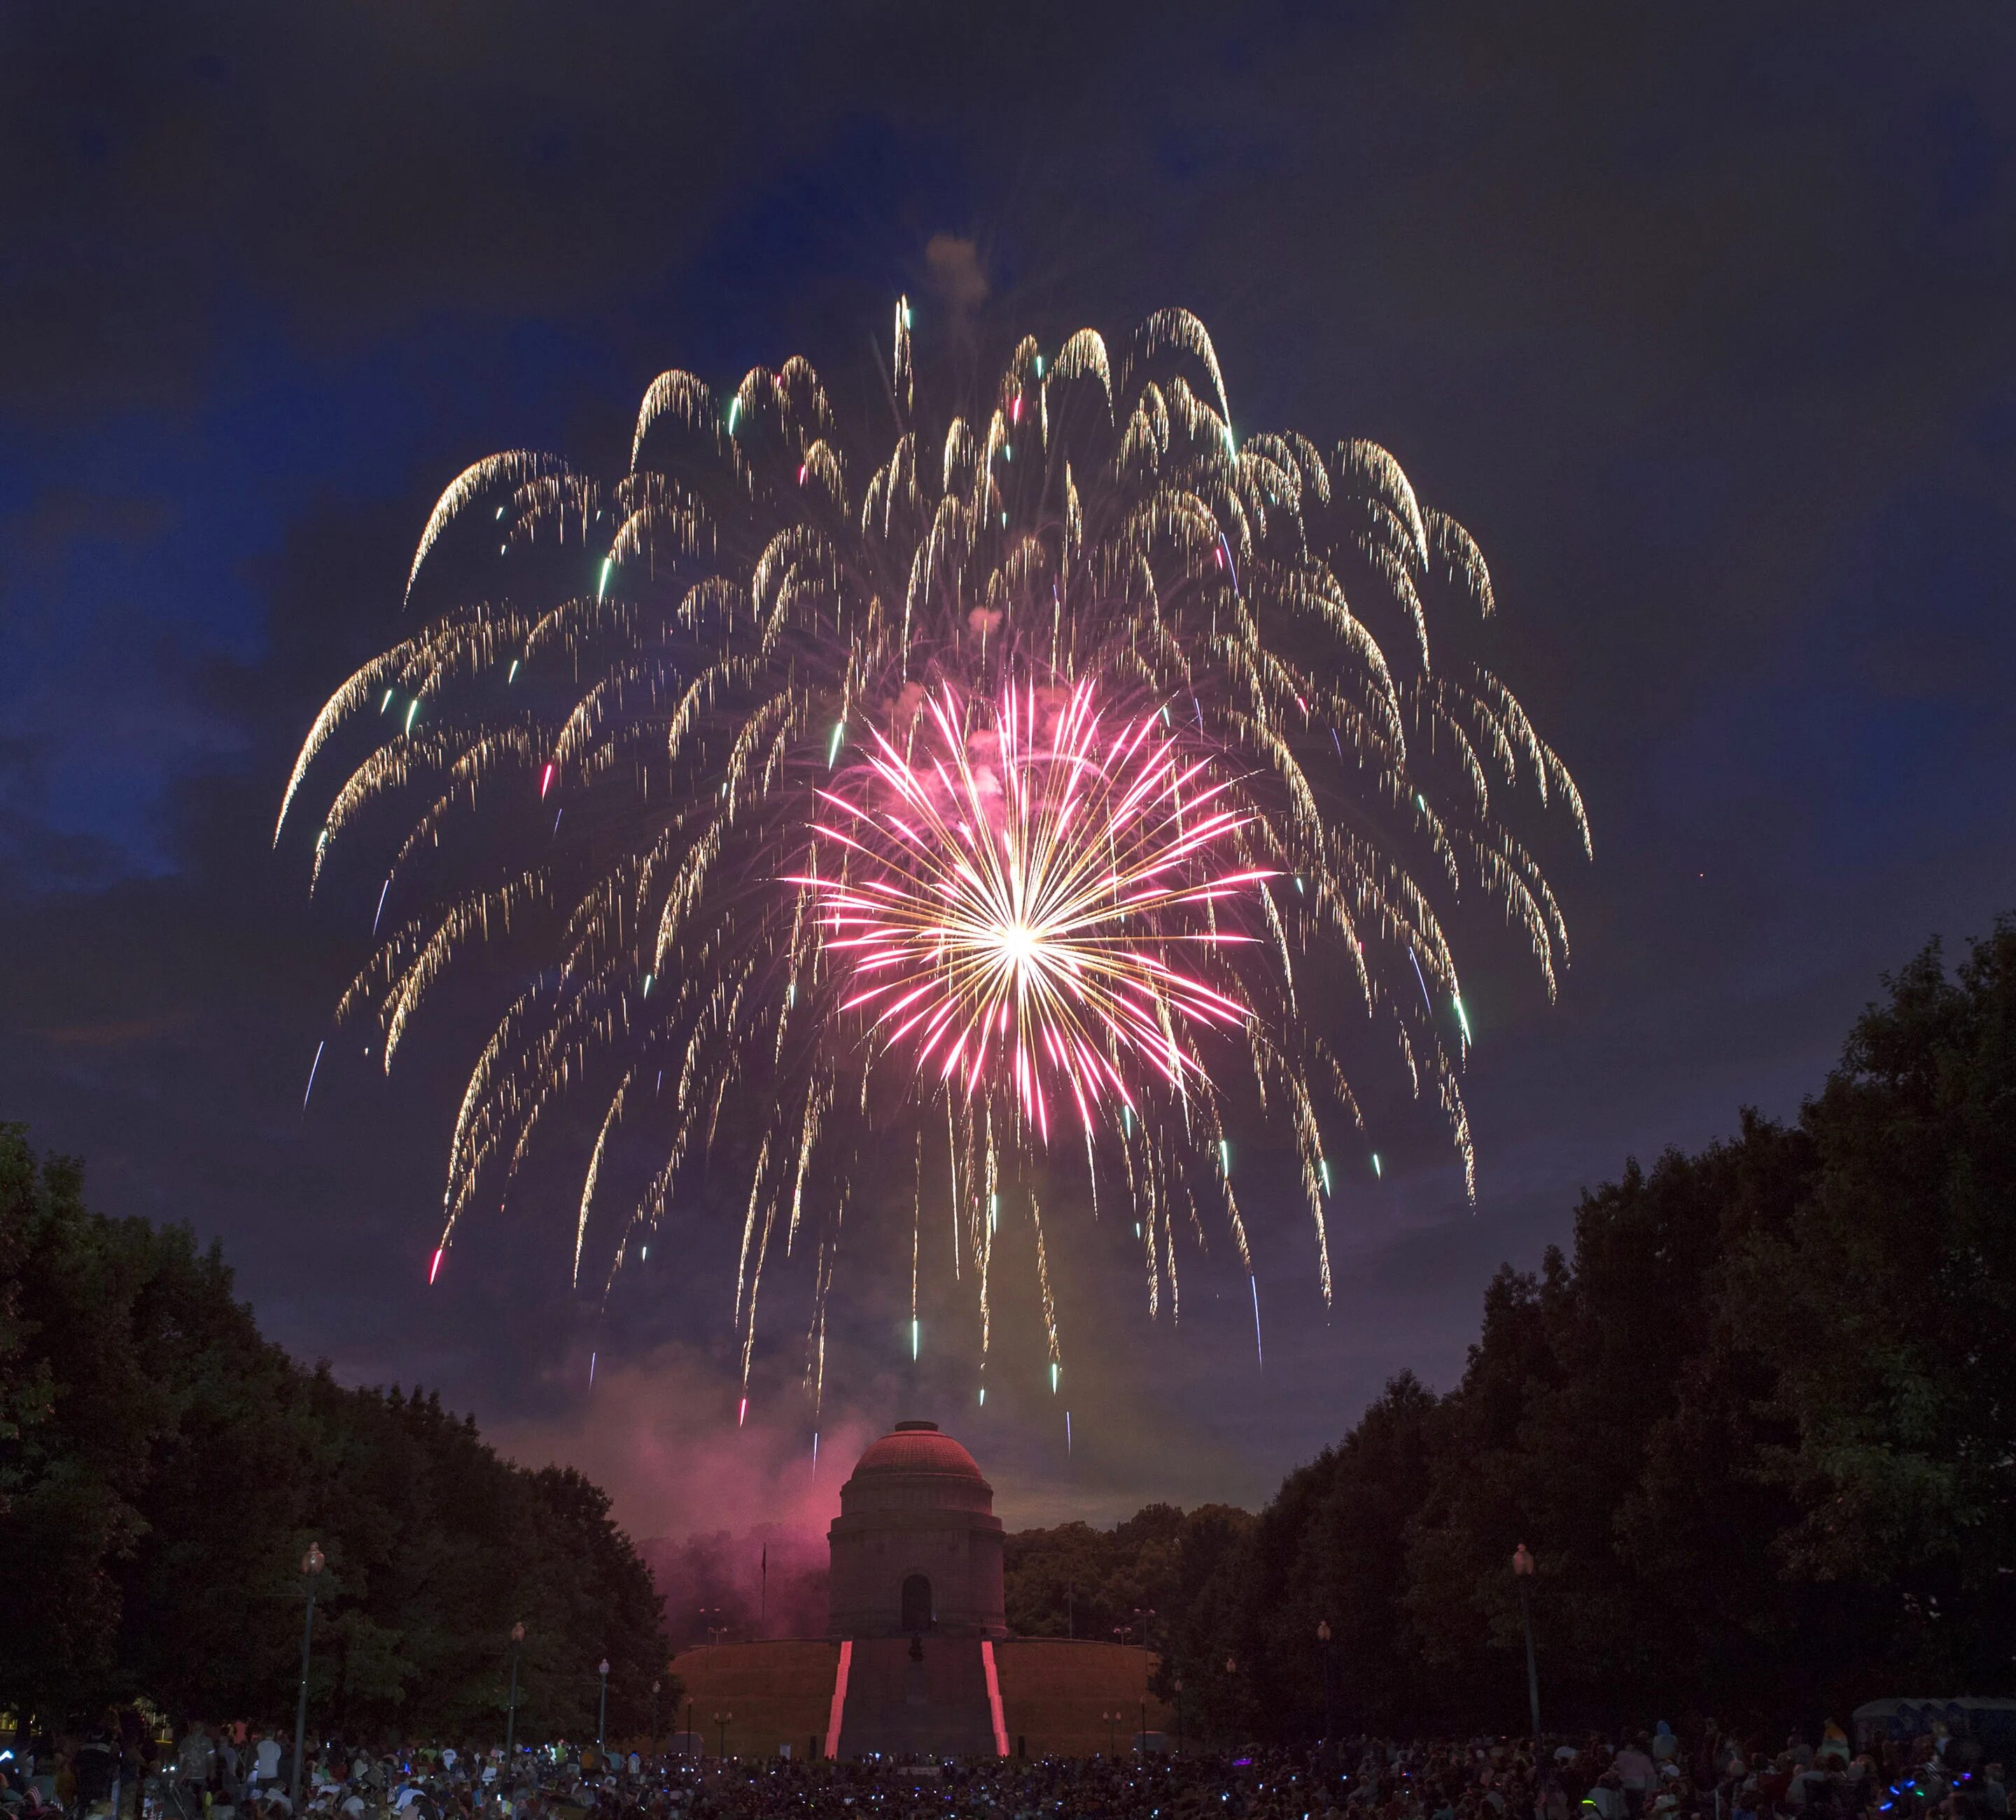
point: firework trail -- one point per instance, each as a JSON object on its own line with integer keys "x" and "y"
{"x": 1016, "y": 796}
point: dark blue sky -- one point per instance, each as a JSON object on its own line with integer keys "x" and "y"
{"x": 1703, "y": 319}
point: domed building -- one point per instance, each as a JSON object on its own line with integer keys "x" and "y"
{"x": 917, "y": 1660}
{"x": 916, "y": 1547}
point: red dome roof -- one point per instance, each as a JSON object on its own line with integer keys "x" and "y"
{"x": 918, "y": 1447}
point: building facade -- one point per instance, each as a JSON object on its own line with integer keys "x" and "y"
{"x": 916, "y": 1547}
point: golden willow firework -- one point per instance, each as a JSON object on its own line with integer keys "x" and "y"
{"x": 769, "y": 744}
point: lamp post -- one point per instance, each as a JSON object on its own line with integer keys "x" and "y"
{"x": 1323, "y": 1643}
{"x": 1522, "y": 1571}
{"x": 654, "y": 1718}
{"x": 1147, "y": 1617}
{"x": 1112, "y": 1735}
{"x": 311, "y": 1567}
{"x": 721, "y": 1719}
{"x": 1179, "y": 1715}
{"x": 1141, "y": 1736}
{"x": 511, "y": 1715}
{"x": 602, "y": 1712}
{"x": 1232, "y": 1678}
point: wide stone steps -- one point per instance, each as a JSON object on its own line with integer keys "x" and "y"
{"x": 935, "y": 1708}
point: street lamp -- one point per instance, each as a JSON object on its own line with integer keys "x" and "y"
{"x": 311, "y": 1567}
{"x": 654, "y": 1718}
{"x": 1147, "y": 1618}
{"x": 1322, "y": 1641}
{"x": 1179, "y": 1715}
{"x": 721, "y": 1719}
{"x": 1232, "y": 1676}
{"x": 602, "y": 1713}
{"x": 1522, "y": 1571}
{"x": 1112, "y": 1735}
{"x": 511, "y": 1716}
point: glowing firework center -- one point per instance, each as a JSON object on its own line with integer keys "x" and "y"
{"x": 1016, "y": 892}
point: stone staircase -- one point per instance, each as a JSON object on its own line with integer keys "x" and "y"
{"x": 935, "y": 1708}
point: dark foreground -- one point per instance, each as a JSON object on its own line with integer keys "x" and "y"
{"x": 1657, "y": 1776}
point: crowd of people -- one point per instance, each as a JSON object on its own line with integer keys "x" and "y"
{"x": 121, "y": 1772}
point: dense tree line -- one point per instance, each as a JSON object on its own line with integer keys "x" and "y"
{"x": 1127, "y": 1582}
{"x": 1759, "y": 1430}
{"x": 163, "y": 1468}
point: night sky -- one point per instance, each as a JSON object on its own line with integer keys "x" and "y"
{"x": 1702, "y": 320}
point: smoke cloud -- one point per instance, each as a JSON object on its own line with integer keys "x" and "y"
{"x": 707, "y": 1502}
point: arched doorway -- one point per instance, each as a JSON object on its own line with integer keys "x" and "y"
{"x": 916, "y": 1603}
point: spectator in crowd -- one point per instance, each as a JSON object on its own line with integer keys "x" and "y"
{"x": 1635, "y": 1772}
{"x": 196, "y": 1761}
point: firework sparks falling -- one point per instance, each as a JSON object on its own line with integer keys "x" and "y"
{"x": 1058, "y": 753}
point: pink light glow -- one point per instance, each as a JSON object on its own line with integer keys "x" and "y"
{"x": 434, "y": 1269}
{"x": 1032, "y": 896}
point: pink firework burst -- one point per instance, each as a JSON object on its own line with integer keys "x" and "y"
{"x": 1029, "y": 897}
